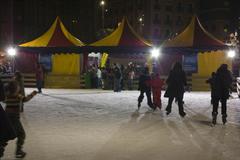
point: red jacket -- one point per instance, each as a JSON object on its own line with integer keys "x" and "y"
{"x": 156, "y": 83}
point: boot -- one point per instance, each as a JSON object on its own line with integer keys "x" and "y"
{"x": 224, "y": 119}
{"x": 20, "y": 153}
{"x": 1, "y": 151}
{"x": 214, "y": 120}
{"x": 168, "y": 110}
{"x": 182, "y": 114}
{"x": 139, "y": 105}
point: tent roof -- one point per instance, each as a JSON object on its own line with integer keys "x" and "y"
{"x": 56, "y": 36}
{"x": 196, "y": 37}
{"x": 124, "y": 36}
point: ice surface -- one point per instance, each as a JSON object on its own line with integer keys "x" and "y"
{"x": 103, "y": 125}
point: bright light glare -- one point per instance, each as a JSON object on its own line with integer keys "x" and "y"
{"x": 102, "y": 3}
{"x": 11, "y": 52}
{"x": 155, "y": 52}
{"x": 231, "y": 53}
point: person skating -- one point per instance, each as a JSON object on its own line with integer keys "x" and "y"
{"x": 13, "y": 100}
{"x": 221, "y": 86}
{"x": 145, "y": 88}
{"x": 6, "y": 130}
{"x": 39, "y": 77}
{"x": 156, "y": 84}
{"x": 176, "y": 82}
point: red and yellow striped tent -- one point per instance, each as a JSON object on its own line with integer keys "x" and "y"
{"x": 195, "y": 39}
{"x": 56, "y": 36}
{"x": 123, "y": 39}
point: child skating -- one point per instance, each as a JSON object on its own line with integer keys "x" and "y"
{"x": 156, "y": 84}
{"x": 13, "y": 100}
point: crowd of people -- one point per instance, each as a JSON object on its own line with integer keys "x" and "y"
{"x": 115, "y": 77}
{"x": 6, "y": 68}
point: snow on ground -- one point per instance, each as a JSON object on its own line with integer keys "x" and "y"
{"x": 102, "y": 125}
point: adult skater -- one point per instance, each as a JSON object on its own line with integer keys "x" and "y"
{"x": 145, "y": 88}
{"x": 6, "y": 131}
{"x": 221, "y": 87}
{"x": 176, "y": 82}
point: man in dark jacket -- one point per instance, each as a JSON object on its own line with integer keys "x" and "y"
{"x": 176, "y": 82}
{"x": 145, "y": 88}
{"x": 6, "y": 131}
{"x": 221, "y": 87}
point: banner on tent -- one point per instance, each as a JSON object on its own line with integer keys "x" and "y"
{"x": 46, "y": 61}
{"x": 190, "y": 63}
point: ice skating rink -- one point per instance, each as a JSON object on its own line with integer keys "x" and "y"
{"x": 103, "y": 125}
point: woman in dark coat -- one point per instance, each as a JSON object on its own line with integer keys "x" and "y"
{"x": 6, "y": 131}
{"x": 176, "y": 82}
{"x": 221, "y": 91}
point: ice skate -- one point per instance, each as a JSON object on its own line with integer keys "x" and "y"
{"x": 20, "y": 154}
{"x": 224, "y": 120}
{"x": 183, "y": 114}
{"x": 214, "y": 120}
{"x": 167, "y": 110}
{"x": 139, "y": 105}
{"x": 1, "y": 152}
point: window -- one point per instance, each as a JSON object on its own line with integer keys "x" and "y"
{"x": 213, "y": 28}
{"x": 168, "y": 8}
{"x": 190, "y": 8}
{"x": 167, "y": 20}
{"x": 167, "y": 33}
{"x": 156, "y": 31}
{"x": 156, "y": 19}
{"x": 179, "y": 7}
{"x": 179, "y": 21}
{"x": 226, "y": 3}
{"x": 155, "y": 16}
{"x": 156, "y": 5}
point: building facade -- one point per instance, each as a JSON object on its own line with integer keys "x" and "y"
{"x": 216, "y": 17}
{"x": 156, "y": 20}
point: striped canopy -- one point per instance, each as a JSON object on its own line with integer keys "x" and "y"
{"x": 56, "y": 36}
{"x": 124, "y": 36}
{"x": 194, "y": 39}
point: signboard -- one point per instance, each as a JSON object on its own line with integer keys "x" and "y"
{"x": 46, "y": 61}
{"x": 190, "y": 63}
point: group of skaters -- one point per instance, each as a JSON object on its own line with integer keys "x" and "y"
{"x": 13, "y": 96}
{"x": 220, "y": 83}
{"x": 176, "y": 82}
